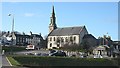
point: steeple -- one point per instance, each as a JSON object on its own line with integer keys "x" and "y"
{"x": 52, "y": 24}
{"x": 53, "y": 12}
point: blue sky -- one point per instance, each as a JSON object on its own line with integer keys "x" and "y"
{"x": 98, "y": 17}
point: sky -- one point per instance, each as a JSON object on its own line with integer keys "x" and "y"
{"x": 99, "y": 18}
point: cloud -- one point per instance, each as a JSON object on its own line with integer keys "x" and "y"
{"x": 29, "y": 14}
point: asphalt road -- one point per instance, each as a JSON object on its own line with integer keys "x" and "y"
{"x": 34, "y": 51}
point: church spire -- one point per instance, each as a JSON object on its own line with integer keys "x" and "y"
{"x": 52, "y": 24}
{"x": 53, "y": 12}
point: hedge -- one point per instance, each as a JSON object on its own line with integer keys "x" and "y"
{"x": 12, "y": 48}
{"x": 61, "y": 61}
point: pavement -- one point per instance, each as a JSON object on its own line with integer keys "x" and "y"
{"x": 0, "y": 61}
{"x": 5, "y": 61}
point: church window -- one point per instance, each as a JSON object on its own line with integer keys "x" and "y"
{"x": 71, "y": 39}
{"x": 66, "y": 39}
{"x": 62, "y": 40}
{"x": 54, "y": 38}
{"x": 50, "y": 38}
{"x": 50, "y": 44}
{"x": 58, "y": 45}
{"x": 58, "y": 40}
{"x": 74, "y": 38}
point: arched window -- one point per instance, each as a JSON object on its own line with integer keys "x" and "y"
{"x": 58, "y": 45}
{"x": 50, "y": 44}
{"x": 62, "y": 39}
{"x": 54, "y": 38}
{"x": 58, "y": 39}
{"x": 74, "y": 38}
{"x": 66, "y": 39}
{"x": 71, "y": 39}
{"x": 50, "y": 38}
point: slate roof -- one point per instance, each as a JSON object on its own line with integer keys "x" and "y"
{"x": 89, "y": 36}
{"x": 66, "y": 31}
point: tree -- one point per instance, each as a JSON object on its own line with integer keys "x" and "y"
{"x": 85, "y": 45}
{"x": 71, "y": 47}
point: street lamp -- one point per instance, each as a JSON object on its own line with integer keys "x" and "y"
{"x": 12, "y": 26}
{"x": 12, "y": 21}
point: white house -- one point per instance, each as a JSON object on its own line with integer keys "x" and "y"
{"x": 101, "y": 51}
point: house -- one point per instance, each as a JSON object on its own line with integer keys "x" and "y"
{"x": 19, "y": 39}
{"x": 100, "y": 50}
{"x": 23, "y": 39}
{"x": 116, "y": 45}
{"x": 58, "y": 37}
{"x": 105, "y": 40}
{"x": 4, "y": 38}
{"x": 116, "y": 49}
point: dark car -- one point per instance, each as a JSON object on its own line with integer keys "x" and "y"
{"x": 59, "y": 53}
{"x": 29, "y": 54}
{"x": 52, "y": 51}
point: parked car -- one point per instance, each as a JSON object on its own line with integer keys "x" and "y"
{"x": 58, "y": 53}
{"x": 37, "y": 54}
{"x": 44, "y": 54}
{"x": 29, "y": 54}
{"x": 52, "y": 51}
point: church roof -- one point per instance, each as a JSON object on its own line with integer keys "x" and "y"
{"x": 67, "y": 31}
{"x": 89, "y": 36}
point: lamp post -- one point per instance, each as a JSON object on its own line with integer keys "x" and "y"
{"x": 12, "y": 26}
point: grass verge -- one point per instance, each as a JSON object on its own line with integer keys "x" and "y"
{"x": 13, "y": 61}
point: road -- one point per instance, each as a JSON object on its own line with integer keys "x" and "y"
{"x": 33, "y": 51}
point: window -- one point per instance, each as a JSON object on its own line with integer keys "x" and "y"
{"x": 74, "y": 38}
{"x": 50, "y": 38}
{"x": 58, "y": 39}
{"x": 58, "y": 45}
{"x": 71, "y": 39}
{"x": 66, "y": 39}
{"x": 54, "y": 38}
{"x": 62, "y": 40}
{"x": 50, "y": 44}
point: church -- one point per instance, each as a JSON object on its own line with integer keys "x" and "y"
{"x": 59, "y": 37}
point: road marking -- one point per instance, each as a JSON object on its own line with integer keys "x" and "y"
{"x": 8, "y": 61}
